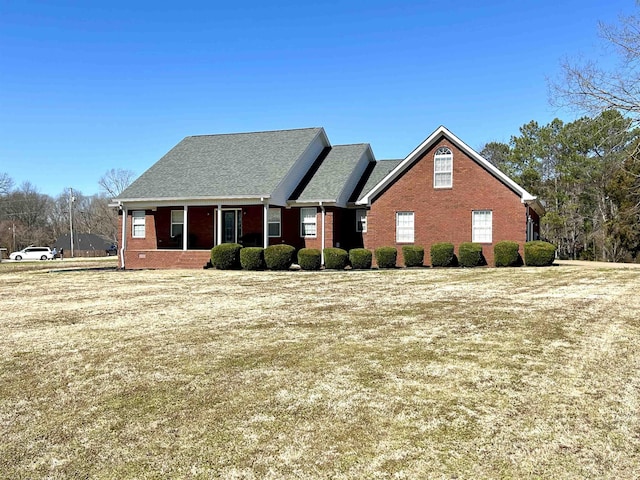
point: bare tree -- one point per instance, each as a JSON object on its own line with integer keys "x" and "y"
{"x": 592, "y": 88}
{"x": 6, "y": 184}
{"x": 115, "y": 181}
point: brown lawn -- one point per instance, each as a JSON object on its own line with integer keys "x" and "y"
{"x": 482, "y": 373}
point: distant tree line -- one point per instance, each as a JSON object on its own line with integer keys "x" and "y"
{"x": 587, "y": 172}
{"x": 587, "y": 175}
{"x": 28, "y": 217}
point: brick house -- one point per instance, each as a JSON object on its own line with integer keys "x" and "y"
{"x": 294, "y": 187}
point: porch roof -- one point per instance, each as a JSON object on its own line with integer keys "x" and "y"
{"x": 227, "y": 165}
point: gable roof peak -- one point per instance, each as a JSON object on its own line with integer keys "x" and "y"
{"x": 428, "y": 143}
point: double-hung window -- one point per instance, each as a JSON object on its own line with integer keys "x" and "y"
{"x": 177, "y": 223}
{"x": 138, "y": 223}
{"x": 274, "y": 219}
{"x": 404, "y": 227}
{"x": 308, "y": 222}
{"x": 361, "y": 220}
{"x": 443, "y": 168}
{"x": 482, "y": 226}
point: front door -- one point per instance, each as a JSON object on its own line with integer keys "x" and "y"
{"x": 231, "y": 226}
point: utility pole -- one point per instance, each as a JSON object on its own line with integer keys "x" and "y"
{"x": 71, "y": 200}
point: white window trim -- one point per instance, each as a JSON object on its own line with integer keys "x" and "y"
{"x": 181, "y": 222}
{"x": 361, "y": 220}
{"x": 481, "y": 233}
{"x": 304, "y": 217}
{"x": 138, "y": 219}
{"x": 442, "y": 154}
{"x": 274, "y": 221}
{"x": 405, "y": 230}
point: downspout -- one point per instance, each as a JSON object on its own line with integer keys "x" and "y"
{"x": 265, "y": 224}
{"x": 322, "y": 235}
{"x": 219, "y": 226}
{"x": 123, "y": 240}
{"x": 185, "y": 232}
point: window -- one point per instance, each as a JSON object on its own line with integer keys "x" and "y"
{"x": 482, "y": 226}
{"x": 274, "y": 219}
{"x": 361, "y": 220}
{"x": 404, "y": 227}
{"x": 308, "y": 227}
{"x": 443, "y": 168}
{"x": 137, "y": 222}
{"x": 177, "y": 223}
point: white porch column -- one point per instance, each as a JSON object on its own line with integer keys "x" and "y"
{"x": 322, "y": 213}
{"x": 265, "y": 228}
{"x": 123, "y": 239}
{"x": 219, "y": 226}
{"x": 185, "y": 232}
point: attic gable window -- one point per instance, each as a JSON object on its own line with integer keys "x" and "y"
{"x": 443, "y": 168}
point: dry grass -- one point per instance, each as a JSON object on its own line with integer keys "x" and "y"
{"x": 484, "y": 373}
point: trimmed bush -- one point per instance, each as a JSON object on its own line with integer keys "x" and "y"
{"x": 252, "y": 258}
{"x": 309, "y": 258}
{"x": 360, "y": 258}
{"x": 505, "y": 254}
{"x": 442, "y": 255}
{"x": 413, "y": 255}
{"x": 386, "y": 257}
{"x": 470, "y": 255}
{"x": 226, "y": 256}
{"x": 279, "y": 257}
{"x": 335, "y": 258}
{"x": 539, "y": 253}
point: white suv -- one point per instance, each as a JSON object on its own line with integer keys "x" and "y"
{"x": 32, "y": 253}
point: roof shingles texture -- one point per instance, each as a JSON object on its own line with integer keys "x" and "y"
{"x": 330, "y": 179}
{"x": 229, "y": 165}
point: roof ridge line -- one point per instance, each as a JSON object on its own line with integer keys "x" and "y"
{"x": 257, "y": 131}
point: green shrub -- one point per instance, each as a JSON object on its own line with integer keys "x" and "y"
{"x": 413, "y": 255}
{"x": 226, "y": 256}
{"x": 470, "y": 255}
{"x": 539, "y": 253}
{"x": 279, "y": 257}
{"x": 252, "y": 258}
{"x": 360, "y": 258}
{"x": 505, "y": 254}
{"x": 309, "y": 258}
{"x": 386, "y": 257}
{"x": 442, "y": 255}
{"x": 335, "y": 258}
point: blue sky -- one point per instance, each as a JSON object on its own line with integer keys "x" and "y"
{"x": 87, "y": 86}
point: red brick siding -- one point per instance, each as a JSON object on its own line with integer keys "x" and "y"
{"x": 163, "y": 259}
{"x": 445, "y": 215}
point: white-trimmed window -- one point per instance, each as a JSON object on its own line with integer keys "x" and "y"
{"x": 404, "y": 227}
{"x": 308, "y": 222}
{"x": 138, "y": 223}
{"x": 274, "y": 219}
{"x": 482, "y": 226}
{"x": 177, "y": 222}
{"x": 361, "y": 220}
{"x": 443, "y": 168}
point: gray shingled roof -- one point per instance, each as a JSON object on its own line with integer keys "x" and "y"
{"x": 381, "y": 169}
{"x": 331, "y": 177}
{"x": 228, "y": 165}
